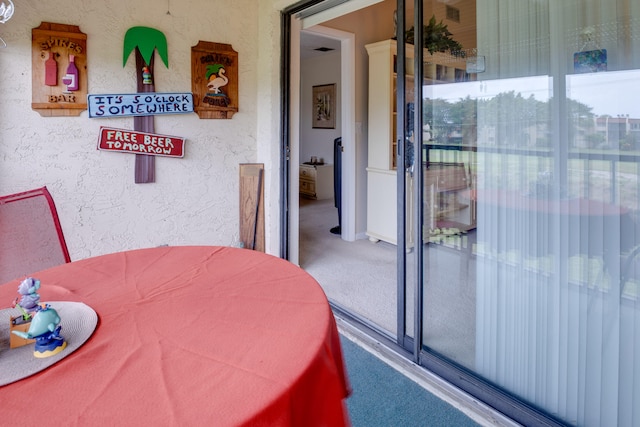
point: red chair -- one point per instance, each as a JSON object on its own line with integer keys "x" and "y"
{"x": 31, "y": 237}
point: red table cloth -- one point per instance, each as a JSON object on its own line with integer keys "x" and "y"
{"x": 189, "y": 336}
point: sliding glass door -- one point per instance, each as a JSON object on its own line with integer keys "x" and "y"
{"x": 503, "y": 169}
{"x": 529, "y": 136}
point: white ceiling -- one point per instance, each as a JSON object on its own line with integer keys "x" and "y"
{"x": 322, "y": 12}
{"x": 310, "y": 42}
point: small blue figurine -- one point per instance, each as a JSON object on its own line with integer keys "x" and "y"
{"x": 29, "y": 291}
{"x": 45, "y": 329}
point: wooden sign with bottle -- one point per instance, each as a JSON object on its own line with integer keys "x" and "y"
{"x": 59, "y": 67}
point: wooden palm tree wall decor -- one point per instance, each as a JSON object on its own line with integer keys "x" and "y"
{"x": 145, "y": 41}
{"x": 143, "y": 106}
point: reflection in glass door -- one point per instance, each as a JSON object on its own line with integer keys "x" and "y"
{"x": 530, "y": 145}
{"x": 449, "y": 165}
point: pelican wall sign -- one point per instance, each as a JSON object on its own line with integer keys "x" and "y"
{"x": 214, "y": 80}
{"x": 144, "y": 41}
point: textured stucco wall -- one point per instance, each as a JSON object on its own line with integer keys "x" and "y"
{"x": 194, "y": 199}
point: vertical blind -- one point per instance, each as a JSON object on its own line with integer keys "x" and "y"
{"x": 558, "y": 196}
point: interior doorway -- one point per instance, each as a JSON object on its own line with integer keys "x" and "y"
{"x": 344, "y": 42}
{"x": 359, "y": 276}
{"x": 321, "y": 123}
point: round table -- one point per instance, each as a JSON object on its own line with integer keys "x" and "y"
{"x": 189, "y": 336}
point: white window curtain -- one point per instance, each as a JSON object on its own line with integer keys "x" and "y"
{"x": 558, "y": 196}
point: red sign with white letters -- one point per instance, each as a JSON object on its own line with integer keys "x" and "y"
{"x": 130, "y": 141}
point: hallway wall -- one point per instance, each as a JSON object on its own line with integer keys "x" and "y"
{"x": 370, "y": 24}
{"x": 320, "y": 70}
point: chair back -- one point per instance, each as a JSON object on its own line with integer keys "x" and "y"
{"x": 31, "y": 237}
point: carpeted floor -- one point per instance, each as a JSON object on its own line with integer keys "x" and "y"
{"x": 349, "y": 271}
{"x": 382, "y": 397}
{"x": 361, "y": 277}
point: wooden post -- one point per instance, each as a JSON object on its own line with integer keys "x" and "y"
{"x": 145, "y": 170}
{"x": 252, "y": 206}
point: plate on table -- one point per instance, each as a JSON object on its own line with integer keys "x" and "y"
{"x": 78, "y": 321}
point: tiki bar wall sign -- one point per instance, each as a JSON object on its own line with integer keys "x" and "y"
{"x": 59, "y": 64}
{"x": 214, "y": 80}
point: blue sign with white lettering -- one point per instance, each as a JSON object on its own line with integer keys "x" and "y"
{"x": 139, "y": 104}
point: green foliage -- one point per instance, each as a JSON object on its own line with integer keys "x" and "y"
{"x": 437, "y": 38}
{"x": 515, "y": 120}
{"x": 146, "y": 40}
{"x": 213, "y": 69}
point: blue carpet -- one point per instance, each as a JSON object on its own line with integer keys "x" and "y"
{"x": 383, "y": 397}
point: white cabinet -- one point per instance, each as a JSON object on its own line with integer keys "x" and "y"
{"x": 381, "y": 168}
{"x": 382, "y": 223}
{"x": 316, "y": 181}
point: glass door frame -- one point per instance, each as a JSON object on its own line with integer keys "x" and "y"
{"x": 403, "y": 339}
{"x": 451, "y": 372}
{"x": 408, "y": 346}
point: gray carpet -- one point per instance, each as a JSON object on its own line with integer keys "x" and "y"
{"x": 348, "y": 271}
{"x": 361, "y": 277}
{"x": 383, "y": 397}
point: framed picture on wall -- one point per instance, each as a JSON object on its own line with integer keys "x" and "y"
{"x": 590, "y": 61}
{"x": 324, "y": 106}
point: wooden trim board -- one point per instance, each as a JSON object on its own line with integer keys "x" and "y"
{"x": 251, "y": 197}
